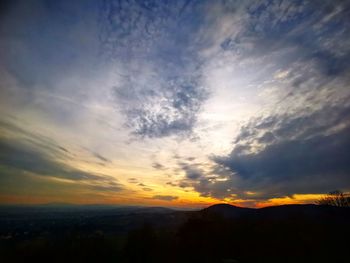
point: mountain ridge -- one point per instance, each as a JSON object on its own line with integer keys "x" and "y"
{"x": 309, "y": 211}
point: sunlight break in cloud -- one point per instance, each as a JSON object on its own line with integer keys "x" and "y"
{"x": 181, "y": 102}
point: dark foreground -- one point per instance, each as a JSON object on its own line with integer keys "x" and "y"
{"x": 221, "y": 233}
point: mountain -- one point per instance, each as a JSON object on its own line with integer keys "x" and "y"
{"x": 282, "y": 212}
{"x": 216, "y": 234}
{"x": 229, "y": 211}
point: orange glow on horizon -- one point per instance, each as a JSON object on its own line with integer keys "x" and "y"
{"x": 195, "y": 202}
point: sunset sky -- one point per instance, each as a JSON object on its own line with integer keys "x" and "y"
{"x": 174, "y": 103}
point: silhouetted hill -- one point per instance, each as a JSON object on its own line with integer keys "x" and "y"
{"x": 229, "y": 211}
{"x": 282, "y": 212}
{"x": 217, "y": 234}
{"x": 304, "y": 211}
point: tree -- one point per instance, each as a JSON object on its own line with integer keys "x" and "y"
{"x": 335, "y": 198}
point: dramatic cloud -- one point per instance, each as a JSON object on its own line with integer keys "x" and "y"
{"x": 299, "y": 142}
{"x": 192, "y": 172}
{"x": 235, "y": 100}
{"x": 157, "y": 113}
{"x": 303, "y": 154}
{"x": 159, "y": 89}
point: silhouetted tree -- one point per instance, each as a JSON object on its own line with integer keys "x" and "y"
{"x": 335, "y": 198}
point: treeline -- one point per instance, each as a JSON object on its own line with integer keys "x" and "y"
{"x": 336, "y": 198}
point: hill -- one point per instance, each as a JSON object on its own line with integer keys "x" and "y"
{"x": 219, "y": 233}
{"x": 229, "y": 211}
{"x": 282, "y": 212}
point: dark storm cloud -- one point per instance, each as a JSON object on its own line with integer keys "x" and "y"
{"x": 165, "y": 197}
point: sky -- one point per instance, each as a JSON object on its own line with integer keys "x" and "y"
{"x": 174, "y": 103}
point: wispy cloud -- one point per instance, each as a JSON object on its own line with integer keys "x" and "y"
{"x": 298, "y": 142}
{"x": 229, "y": 99}
{"x": 165, "y": 197}
{"x": 43, "y": 157}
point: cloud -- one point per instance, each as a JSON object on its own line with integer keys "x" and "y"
{"x": 192, "y": 172}
{"x": 140, "y": 27}
{"x": 101, "y": 158}
{"x": 305, "y": 154}
{"x": 133, "y": 180}
{"x": 263, "y": 131}
{"x": 272, "y": 77}
{"x": 305, "y": 114}
{"x": 208, "y": 179}
{"x": 296, "y": 51}
{"x": 158, "y": 166}
{"x": 165, "y": 197}
{"x": 22, "y": 157}
{"x": 43, "y": 157}
{"x": 165, "y": 109}
{"x": 9, "y": 129}
{"x": 171, "y": 183}
{"x": 308, "y": 154}
{"x": 159, "y": 89}
{"x": 271, "y": 35}
{"x": 108, "y": 187}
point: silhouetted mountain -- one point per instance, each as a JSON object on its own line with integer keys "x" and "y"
{"x": 229, "y": 211}
{"x": 282, "y": 212}
{"x": 219, "y": 233}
